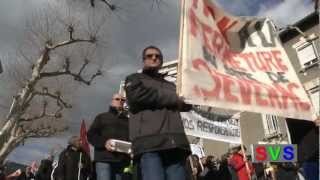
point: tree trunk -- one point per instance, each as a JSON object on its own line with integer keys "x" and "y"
{"x": 9, "y": 141}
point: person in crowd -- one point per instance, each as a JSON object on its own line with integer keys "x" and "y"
{"x": 45, "y": 169}
{"x": 74, "y": 163}
{"x": 159, "y": 142}
{"x": 26, "y": 175}
{"x": 193, "y": 167}
{"x": 238, "y": 164}
{"x": 210, "y": 168}
{"x": 107, "y": 126}
{"x": 287, "y": 171}
{"x": 270, "y": 171}
{"x": 306, "y": 135}
{"x": 224, "y": 172}
{"x": 29, "y": 174}
{"x": 2, "y": 174}
{"x": 259, "y": 169}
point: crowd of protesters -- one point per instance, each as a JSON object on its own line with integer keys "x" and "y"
{"x": 160, "y": 148}
{"x": 230, "y": 166}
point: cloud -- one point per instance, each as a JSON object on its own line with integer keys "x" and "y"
{"x": 38, "y": 149}
{"x": 287, "y": 12}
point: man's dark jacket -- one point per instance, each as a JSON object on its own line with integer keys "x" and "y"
{"x": 68, "y": 165}
{"x": 45, "y": 170}
{"x": 155, "y": 123}
{"x": 108, "y": 125}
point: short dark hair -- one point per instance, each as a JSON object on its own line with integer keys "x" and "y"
{"x": 152, "y": 47}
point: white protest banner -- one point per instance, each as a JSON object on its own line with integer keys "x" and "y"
{"x": 198, "y": 125}
{"x": 236, "y": 63}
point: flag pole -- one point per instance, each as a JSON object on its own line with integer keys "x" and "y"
{"x": 180, "y": 52}
{"x": 243, "y": 151}
{"x": 79, "y": 164}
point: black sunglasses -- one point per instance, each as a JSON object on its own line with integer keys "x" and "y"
{"x": 119, "y": 99}
{"x": 149, "y": 56}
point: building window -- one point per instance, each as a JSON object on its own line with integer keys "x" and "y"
{"x": 270, "y": 124}
{"x": 307, "y": 55}
{"x": 307, "y": 51}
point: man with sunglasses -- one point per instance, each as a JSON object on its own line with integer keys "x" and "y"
{"x": 106, "y": 126}
{"x": 159, "y": 142}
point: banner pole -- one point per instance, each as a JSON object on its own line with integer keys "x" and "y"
{"x": 243, "y": 151}
{"x": 79, "y": 164}
{"x": 182, "y": 14}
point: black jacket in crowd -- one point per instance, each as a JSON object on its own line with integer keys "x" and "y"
{"x": 68, "y": 165}
{"x": 306, "y": 135}
{"x": 24, "y": 176}
{"x": 108, "y": 125}
{"x": 155, "y": 123}
{"x": 45, "y": 170}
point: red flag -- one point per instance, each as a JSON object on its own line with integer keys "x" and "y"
{"x": 83, "y": 138}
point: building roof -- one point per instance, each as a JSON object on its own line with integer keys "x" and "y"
{"x": 303, "y": 24}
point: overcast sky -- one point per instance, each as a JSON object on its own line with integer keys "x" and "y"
{"x": 137, "y": 25}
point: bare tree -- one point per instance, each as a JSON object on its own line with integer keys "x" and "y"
{"x": 59, "y": 50}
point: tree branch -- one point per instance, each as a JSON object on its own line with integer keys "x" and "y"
{"x": 56, "y": 96}
{"x": 42, "y": 132}
{"x": 76, "y": 76}
{"x": 68, "y": 42}
{"x": 112, "y": 7}
{"x": 44, "y": 113}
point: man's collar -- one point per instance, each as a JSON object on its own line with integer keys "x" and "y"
{"x": 152, "y": 72}
{"x": 113, "y": 110}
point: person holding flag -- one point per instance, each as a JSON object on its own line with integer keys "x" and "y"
{"x": 74, "y": 163}
{"x": 105, "y": 128}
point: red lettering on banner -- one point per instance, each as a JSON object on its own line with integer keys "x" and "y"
{"x": 235, "y": 62}
{"x": 245, "y": 91}
{"x": 193, "y": 23}
{"x": 248, "y": 57}
{"x": 217, "y": 42}
{"x": 260, "y": 63}
{"x": 289, "y": 94}
{"x": 195, "y": 4}
{"x": 277, "y": 56}
{"x": 227, "y": 83}
{"x": 259, "y": 100}
{"x": 275, "y": 96}
{"x": 212, "y": 39}
{"x": 265, "y": 61}
{"x": 208, "y": 9}
{"x": 215, "y": 91}
{"x": 268, "y": 60}
{"x": 228, "y": 60}
{"x": 224, "y": 25}
{"x": 206, "y": 31}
